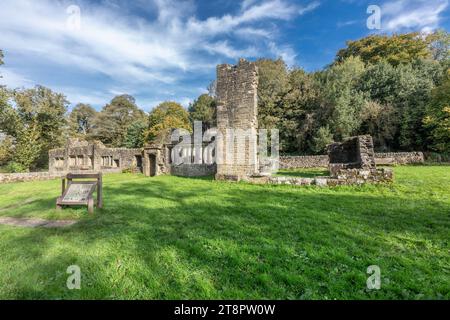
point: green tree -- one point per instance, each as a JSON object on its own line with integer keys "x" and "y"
{"x": 395, "y": 49}
{"x": 9, "y": 118}
{"x": 203, "y": 109}
{"x": 111, "y": 124}
{"x": 81, "y": 120}
{"x": 322, "y": 138}
{"x": 135, "y": 137}
{"x": 272, "y": 85}
{"x": 437, "y": 119}
{"x": 166, "y": 116}
{"x": 6, "y": 149}
{"x": 40, "y": 116}
{"x": 343, "y": 100}
{"x": 29, "y": 147}
{"x": 298, "y": 112}
{"x": 404, "y": 91}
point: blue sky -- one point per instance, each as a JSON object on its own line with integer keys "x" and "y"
{"x": 159, "y": 50}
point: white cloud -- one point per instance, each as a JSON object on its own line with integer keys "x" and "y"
{"x": 224, "y": 48}
{"x": 412, "y": 15}
{"x": 309, "y": 7}
{"x": 79, "y": 95}
{"x": 135, "y": 51}
{"x": 140, "y": 50}
{"x": 13, "y": 79}
{"x": 348, "y": 23}
{"x": 285, "y": 52}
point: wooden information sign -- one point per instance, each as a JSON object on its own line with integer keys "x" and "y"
{"x": 81, "y": 192}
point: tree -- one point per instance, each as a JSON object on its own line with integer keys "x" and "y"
{"x": 439, "y": 44}
{"x": 403, "y": 92}
{"x": 437, "y": 119}
{"x": 322, "y": 138}
{"x": 203, "y": 109}
{"x": 112, "y": 123}
{"x": 273, "y": 83}
{"x": 342, "y": 97}
{"x": 29, "y": 147}
{"x": 40, "y": 116}
{"x": 1, "y": 57}
{"x": 9, "y": 118}
{"x": 6, "y": 149}
{"x": 381, "y": 122}
{"x": 81, "y": 120}
{"x": 298, "y": 112}
{"x": 135, "y": 137}
{"x": 396, "y": 49}
{"x": 166, "y": 116}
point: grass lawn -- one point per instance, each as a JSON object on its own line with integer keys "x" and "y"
{"x": 304, "y": 173}
{"x": 179, "y": 238}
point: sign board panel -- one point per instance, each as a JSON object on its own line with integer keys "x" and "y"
{"x": 79, "y": 192}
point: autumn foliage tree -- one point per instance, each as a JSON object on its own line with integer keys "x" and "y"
{"x": 166, "y": 116}
{"x": 396, "y": 49}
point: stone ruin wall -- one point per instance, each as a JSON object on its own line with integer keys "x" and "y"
{"x": 164, "y": 153}
{"x": 353, "y": 162}
{"x": 80, "y": 156}
{"x": 399, "y": 158}
{"x": 350, "y": 162}
{"x": 352, "y": 153}
{"x": 237, "y": 108}
{"x": 298, "y": 162}
{"x": 29, "y": 176}
{"x": 322, "y": 161}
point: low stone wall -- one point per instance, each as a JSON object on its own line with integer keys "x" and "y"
{"x": 295, "y": 162}
{"x": 322, "y": 161}
{"x": 28, "y": 176}
{"x": 193, "y": 170}
{"x": 347, "y": 177}
{"x": 40, "y": 176}
{"x": 393, "y": 158}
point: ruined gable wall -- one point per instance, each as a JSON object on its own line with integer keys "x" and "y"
{"x": 237, "y": 108}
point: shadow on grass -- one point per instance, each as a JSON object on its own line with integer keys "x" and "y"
{"x": 190, "y": 239}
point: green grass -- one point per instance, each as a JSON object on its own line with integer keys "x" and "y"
{"x": 179, "y": 238}
{"x": 304, "y": 173}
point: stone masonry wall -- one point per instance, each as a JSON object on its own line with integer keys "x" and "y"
{"x": 321, "y": 161}
{"x": 294, "y": 162}
{"x": 237, "y": 109}
{"x": 28, "y": 176}
{"x": 79, "y": 155}
{"x": 393, "y": 158}
{"x": 193, "y": 170}
{"x": 351, "y": 177}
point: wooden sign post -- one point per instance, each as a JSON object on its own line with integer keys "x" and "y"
{"x": 81, "y": 192}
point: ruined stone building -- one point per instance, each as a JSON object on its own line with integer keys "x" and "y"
{"x": 237, "y": 120}
{"x": 153, "y": 160}
{"x": 353, "y": 161}
{"x": 230, "y": 151}
{"x": 79, "y": 156}
{"x": 235, "y": 139}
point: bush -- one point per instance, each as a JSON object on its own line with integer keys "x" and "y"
{"x": 434, "y": 157}
{"x": 15, "y": 167}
